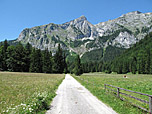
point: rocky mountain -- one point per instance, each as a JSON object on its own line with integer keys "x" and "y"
{"x": 81, "y": 37}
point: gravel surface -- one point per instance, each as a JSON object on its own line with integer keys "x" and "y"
{"x": 73, "y": 98}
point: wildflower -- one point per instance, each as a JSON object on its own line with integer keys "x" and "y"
{"x": 30, "y": 109}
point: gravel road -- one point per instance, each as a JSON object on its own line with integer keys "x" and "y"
{"x": 73, "y": 98}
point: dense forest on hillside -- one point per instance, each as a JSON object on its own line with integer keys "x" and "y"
{"x": 21, "y": 58}
{"x": 137, "y": 59}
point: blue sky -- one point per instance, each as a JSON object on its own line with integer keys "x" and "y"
{"x": 15, "y": 15}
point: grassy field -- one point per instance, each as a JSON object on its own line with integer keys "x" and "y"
{"x": 139, "y": 83}
{"x": 27, "y": 92}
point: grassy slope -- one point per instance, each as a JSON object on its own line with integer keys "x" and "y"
{"x": 140, "y": 83}
{"x": 27, "y": 92}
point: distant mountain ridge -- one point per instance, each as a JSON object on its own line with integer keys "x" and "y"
{"x": 81, "y": 37}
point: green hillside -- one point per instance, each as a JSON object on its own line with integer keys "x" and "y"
{"x": 137, "y": 59}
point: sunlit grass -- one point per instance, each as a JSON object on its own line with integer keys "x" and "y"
{"x": 33, "y": 89}
{"x": 139, "y": 83}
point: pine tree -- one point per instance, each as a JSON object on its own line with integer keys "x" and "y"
{"x": 141, "y": 66}
{"x": 133, "y": 67}
{"x": 20, "y": 57}
{"x": 1, "y": 57}
{"x": 11, "y": 60}
{"x": 78, "y": 68}
{"x": 65, "y": 65}
{"x": 28, "y": 50}
{"x": 47, "y": 63}
{"x": 119, "y": 68}
{"x": 147, "y": 62}
{"x": 58, "y": 61}
{"x": 4, "y": 55}
{"x": 36, "y": 61}
{"x": 141, "y": 61}
{"x": 16, "y": 58}
{"x": 125, "y": 67}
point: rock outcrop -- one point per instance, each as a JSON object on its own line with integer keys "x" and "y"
{"x": 80, "y": 36}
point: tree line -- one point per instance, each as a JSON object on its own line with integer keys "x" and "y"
{"x": 26, "y": 58}
{"x": 137, "y": 59}
{"x": 19, "y": 58}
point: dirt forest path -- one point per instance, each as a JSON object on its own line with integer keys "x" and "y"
{"x": 73, "y": 98}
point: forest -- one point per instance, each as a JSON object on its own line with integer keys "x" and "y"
{"x": 137, "y": 59}
{"x": 19, "y": 58}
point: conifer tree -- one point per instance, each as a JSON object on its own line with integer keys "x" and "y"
{"x": 16, "y": 58}
{"x": 124, "y": 67}
{"x": 4, "y": 55}
{"x": 11, "y": 61}
{"x": 133, "y": 66}
{"x": 47, "y": 63}
{"x": 58, "y": 61}
{"x": 119, "y": 68}
{"x": 78, "y": 68}
{"x": 28, "y": 49}
{"x": 1, "y": 57}
{"x": 36, "y": 61}
{"x": 141, "y": 66}
{"x": 65, "y": 65}
{"x": 20, "y": 57}
{"x": 147, "y": 62}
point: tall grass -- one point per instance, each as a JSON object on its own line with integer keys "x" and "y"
{"x": 27, "y": 92}
{"x": 140, "y": 83}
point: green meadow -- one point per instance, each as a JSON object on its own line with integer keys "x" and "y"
{"x": 139, "y": 83}
{"x": 27, "y": 92}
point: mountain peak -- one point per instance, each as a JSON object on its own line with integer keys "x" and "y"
{"x": 132, "y": 13}
{"x": 135, "y": 12}
{"x": 82, "y": 18}
{"x": 80, "y": 36}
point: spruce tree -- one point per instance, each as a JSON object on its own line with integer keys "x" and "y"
{"x": 47, "y": 63}
{"x": 4, "y": 55}
{"x": 119, "y": 68}
{"x": 78, "y": 68}
{"x": 65, "y": 65}
{"x": 20, "y": 57}
{"x": 133, "y": 65}
{"x": 16, "y": 58}
{"x": 141, "y": 66}
{"x": 147, "y": 62}
{"x": 28, "y": 50}
{"x": 58, "y": 61}
{"x": 124, "y": 67}
{"x": 11, "y": 60}
{"x": 36, "y": 61}
{"x": 1, "y": 57}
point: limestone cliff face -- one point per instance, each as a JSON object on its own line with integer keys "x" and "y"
{"x": 80, "y": 36}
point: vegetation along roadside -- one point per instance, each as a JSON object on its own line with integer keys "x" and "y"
{"x": 27, "y": 92}
{"x": 139, "y": 83}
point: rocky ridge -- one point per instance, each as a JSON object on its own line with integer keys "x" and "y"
{"x": 80, "y": 36}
